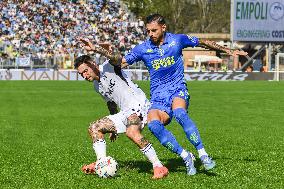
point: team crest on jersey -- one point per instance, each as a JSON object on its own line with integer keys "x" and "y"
{"x": 149, "y": 50}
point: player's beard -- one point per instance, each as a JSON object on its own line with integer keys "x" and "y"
{"x": 157, "y": 40}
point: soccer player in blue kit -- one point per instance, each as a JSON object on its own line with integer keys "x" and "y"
{"x": 162, "y": 55}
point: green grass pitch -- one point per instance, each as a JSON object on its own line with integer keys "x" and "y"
{"x": 44, "y": 139}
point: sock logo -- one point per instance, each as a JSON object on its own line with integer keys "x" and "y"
{"x": 169, "y": 146}
{"x": 194, "y": 137}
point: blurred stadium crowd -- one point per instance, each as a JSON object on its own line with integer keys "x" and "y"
{"x": 44, "y": 28}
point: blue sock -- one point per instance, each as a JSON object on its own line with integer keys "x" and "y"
{"x": 165, "y": 137}
{"x": 189, "y": 127}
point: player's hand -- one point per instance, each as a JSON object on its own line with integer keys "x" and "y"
{"x": 86, "y": 44}
{"x": 103, "y": 49}
{"x": 107, "y": 46}
{"x": 113, "y": 136}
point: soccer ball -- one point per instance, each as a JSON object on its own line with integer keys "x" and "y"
{"x": 106, "y": 167}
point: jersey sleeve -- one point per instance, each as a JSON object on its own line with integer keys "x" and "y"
{"x": 134, "y": 55}
{"x": 188, "y": 40}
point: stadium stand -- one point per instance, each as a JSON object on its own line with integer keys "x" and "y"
{"x": 45, "y": 30}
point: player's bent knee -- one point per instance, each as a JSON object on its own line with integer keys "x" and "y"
{"x": 158, "y": 115}
{"x": 94, "y": 131}
{"x": 93, "y": 127}
{"x": 133, "y": 120}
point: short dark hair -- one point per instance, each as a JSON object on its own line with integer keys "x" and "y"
{"x": 81, "y": 60}
{"x": 156, "y": 17}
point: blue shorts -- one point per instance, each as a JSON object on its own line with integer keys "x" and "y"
{"x": 162, "y": 100}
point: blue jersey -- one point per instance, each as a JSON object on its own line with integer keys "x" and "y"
{"x": 164, "y": 63}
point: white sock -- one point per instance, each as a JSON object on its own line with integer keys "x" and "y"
{"x": 184, "y": 154}
{"x": 150, "y": 153}
{"x": 100, "y": 148}
{"x": 202, "y": 152}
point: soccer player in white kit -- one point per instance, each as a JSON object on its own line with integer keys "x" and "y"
{"x": 119, "y": 92}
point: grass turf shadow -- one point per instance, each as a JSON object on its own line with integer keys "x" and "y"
{"x": 177, "y": 165}
{"x": 142, "y": 166}
{"x": 173, "y": 164}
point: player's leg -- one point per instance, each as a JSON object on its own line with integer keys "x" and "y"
{"x": 179, "y": 107}
{"x": 97, "y": 129}
{"x": 133, "y": 132}
{"x": 157, "y": 119}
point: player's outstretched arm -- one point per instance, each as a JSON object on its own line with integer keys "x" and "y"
{"x": 215, "y": 46}
{"x": 115, "y": 59}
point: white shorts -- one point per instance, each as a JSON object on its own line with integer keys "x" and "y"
{"x": 120, "y": 119}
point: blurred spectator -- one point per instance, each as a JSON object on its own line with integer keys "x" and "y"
{"x": 49, "y": 27}
{"x": 249, "y": 68}
{"x": 263, "y": 69}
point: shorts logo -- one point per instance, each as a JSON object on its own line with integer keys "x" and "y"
{"x": 184, "y": 94}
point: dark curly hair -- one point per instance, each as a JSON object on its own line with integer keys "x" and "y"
{"x": 81, "y": 60}
{"x": 156, "y": 17}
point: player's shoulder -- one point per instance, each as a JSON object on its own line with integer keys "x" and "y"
{"x": 177, "y": 35}
{"x": 174, "y": 37}
{"x": 105, "y": 63}
{"x": 186, "y": 39}
{"x": 139, "y": 48}
{"x": 105, "y": 67}
{"x": 171, "y": 35}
